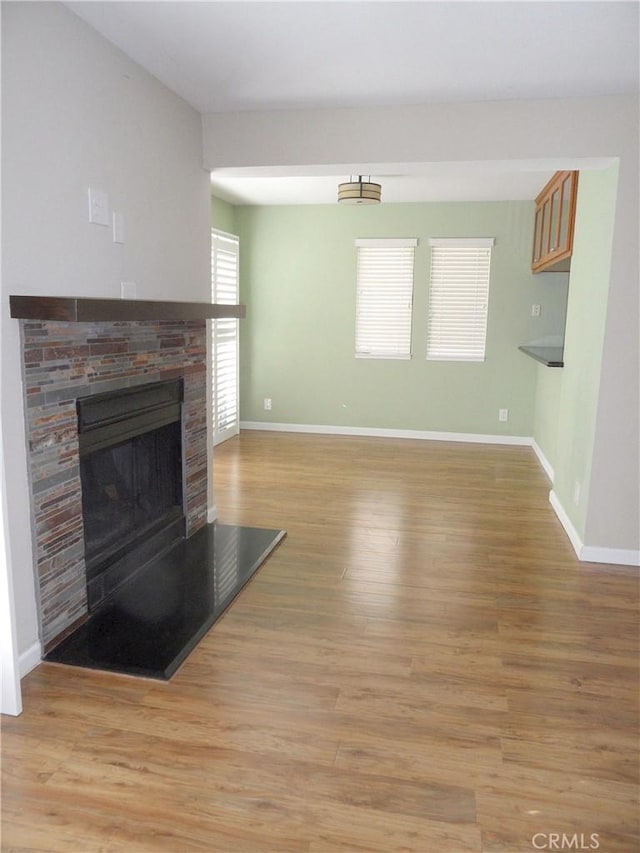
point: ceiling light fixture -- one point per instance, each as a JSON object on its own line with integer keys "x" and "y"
{"x": 359, "y": 192}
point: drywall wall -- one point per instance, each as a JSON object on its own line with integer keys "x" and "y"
{"x": 547, "y": 407}
{"x": 613, "y": 510}
{"x": 584, "y": 339}
{"x": 471, "y": 132}
{"x": 509, "y": 130}
{"x": 223, "y": 215}
{"x": 298, "y": 271}
{"x": 564, "y": 420}
{"x": 10, "y": 696}
{"x": 77, "y": 113}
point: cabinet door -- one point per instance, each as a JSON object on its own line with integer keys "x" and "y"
{"x": 566, "y": 213}
{"x": 554, "y": 220}
{"x": 546, "y": 223}
{"x": 537, "y": 238}
{"x": 554, "y": 225}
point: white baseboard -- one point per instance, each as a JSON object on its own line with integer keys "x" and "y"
{"x": 542, "y": 459}
{"x": 565, "y": 521}
{"x": 376, "y": 432}
{"x": 592, "y": 553}
{"x": 30, "y": 659}
{"x": 618, "y": 556}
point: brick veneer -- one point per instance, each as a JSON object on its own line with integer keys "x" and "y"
{"x": 64, "y": 361}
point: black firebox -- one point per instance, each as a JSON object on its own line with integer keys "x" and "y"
{"x": 132, "y": 485}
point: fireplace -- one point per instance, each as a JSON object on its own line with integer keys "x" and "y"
{"x": 129, "y": 574}
{"x": 130, "y": 448}
{"x": 67, "y": 366}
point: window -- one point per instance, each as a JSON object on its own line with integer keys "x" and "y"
{"x": 224, "y": 337}
{"x": 458, "y": 299}
{"x": 384, "y": 297}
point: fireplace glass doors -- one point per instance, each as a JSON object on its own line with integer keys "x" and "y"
{"x": 131, "y": 474}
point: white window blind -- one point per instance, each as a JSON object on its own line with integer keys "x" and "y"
{"x": 384, "y": 298}
{"x": 458, "y": 298}
{"x": 224, "y": 336}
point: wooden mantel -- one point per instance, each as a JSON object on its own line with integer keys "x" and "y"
{"x": 75, "y": 309}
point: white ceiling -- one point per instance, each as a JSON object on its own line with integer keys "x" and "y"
{"x": 238, "y": 55}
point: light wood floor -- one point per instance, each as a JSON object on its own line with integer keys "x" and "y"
{"x": 423, "y": 665}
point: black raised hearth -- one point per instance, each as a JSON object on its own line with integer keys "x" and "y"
{"x": 156, "y": 618}
{"x": 152, "y": 592}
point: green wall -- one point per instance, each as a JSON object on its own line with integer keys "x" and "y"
{"x": 223, "y": 215}
{"x": 545, "y": 422}
{"x": 576, "y": 404}
{"x": 297, "y": 274}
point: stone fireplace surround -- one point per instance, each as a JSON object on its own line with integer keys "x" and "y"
{"x": 64, "y": 360}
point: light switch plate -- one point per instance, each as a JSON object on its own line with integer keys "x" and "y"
{"x": 118, "y": 227}
{"x": 98, "y": 207}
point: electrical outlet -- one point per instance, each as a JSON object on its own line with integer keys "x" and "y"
{"x": 576, "y": 493}
{"x": 267, "y": 404}
{"x": 127, "y": 290}
{"x": 535, "y": 310}
{"x": 503, "y": 415}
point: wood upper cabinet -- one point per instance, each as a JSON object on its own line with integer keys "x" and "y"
{"x": 554, "y": 220}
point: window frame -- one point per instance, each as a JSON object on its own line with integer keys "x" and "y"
{"x": 225, "y": 340}
{"x": 376, "y": 293}
{"x": 454, "y": 298}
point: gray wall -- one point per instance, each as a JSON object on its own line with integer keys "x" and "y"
{"x": 77, "y": 113}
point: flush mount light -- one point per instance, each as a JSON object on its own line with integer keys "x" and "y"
{"x": 359, "y": 192}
